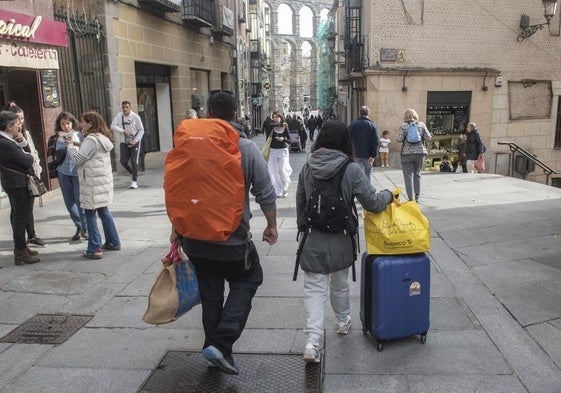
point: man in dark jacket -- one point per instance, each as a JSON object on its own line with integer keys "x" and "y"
{"x": 364, "y": 135}
{"x": 234, "y": 260}
{"x": 474, "y": 147}
{"x": 312, "y": 124}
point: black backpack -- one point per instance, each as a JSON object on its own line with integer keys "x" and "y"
{"x": 326, "y": 209}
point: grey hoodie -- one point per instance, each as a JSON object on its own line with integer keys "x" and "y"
{"x": 331, "y": 252}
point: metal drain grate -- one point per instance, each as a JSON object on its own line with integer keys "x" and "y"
{"x": 47, "y": 329}
{"x": 187, "y": 372}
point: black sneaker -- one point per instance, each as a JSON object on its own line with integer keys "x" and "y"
{"x": 111, "y": 247}
{"x": 37, "y": 241}
{"x": 77, "y": 234}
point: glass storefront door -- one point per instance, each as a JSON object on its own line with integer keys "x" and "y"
{"x": 147, "y": 110}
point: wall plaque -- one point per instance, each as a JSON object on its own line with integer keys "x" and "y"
{"x": 387, "y": 54}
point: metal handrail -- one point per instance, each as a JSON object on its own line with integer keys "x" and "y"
{"x": 514, "y": 147}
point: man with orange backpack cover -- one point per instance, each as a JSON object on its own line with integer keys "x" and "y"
{"x": 220, "y": 255}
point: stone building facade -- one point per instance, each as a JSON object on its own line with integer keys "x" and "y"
{"x": 455, "y": 62}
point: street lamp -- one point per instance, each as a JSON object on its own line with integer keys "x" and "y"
{"x": 331, "y": 43}
{"x": 528, "y": 30}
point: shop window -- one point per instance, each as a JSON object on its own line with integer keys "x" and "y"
{"x": 447, "y": 116}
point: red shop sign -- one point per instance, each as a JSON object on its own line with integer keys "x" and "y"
{"x": 29, "y": 28}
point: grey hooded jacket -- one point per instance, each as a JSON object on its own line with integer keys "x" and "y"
{"x": 331, "y": 252}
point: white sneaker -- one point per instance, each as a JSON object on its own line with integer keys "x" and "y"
{"x": 311, "y": 354}
{"x": 134, "y": 185}
{"x": 344, "y": 327}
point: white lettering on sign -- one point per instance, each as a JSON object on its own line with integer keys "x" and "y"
{"x": 13, "y": 29}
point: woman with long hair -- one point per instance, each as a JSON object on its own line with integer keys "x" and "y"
{"x": 37, "y": 169}
{"x": 327, "y": 256}
{"x": 278, "y": 164}
{"x": 96, "y": 182}
{"x": 62, "y": 166}
{"x": 16, "y": 163}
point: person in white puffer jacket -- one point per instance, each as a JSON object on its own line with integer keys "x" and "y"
{"x": 96, "y": 182}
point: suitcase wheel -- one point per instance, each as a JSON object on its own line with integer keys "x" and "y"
{"x": 423, "y": 337}
{"x": 380, "y": 346}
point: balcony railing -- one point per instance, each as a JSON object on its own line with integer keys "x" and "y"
{"x": 355, "y": 54}
{"x": 224, "y": 21}
{"x": 160, "y": 5}
{"x": 198, "y": 12}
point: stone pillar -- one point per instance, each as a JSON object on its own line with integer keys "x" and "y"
{"x": 296, "y": 24}
{"x": 314, "y": 76}
{"x": 296, "y": 90}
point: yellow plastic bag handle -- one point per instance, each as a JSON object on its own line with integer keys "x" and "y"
{"x": 396, "y": 194}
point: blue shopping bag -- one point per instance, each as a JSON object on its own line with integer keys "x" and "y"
{"x": 175, "y": 290}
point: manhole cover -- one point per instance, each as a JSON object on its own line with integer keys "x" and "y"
{"x": 47, "y": 329}
{"x": 187, "y": 372}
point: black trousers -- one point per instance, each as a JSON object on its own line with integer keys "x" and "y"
{"x": 30, "y": 227}
{"x": 21, "y": 214}
{"x": 131, "y": 154}
{"x": 224, "y": 321}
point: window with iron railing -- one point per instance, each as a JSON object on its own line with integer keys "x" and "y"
{"x": 353, "y": 41}
{"x": 202, "y": 10}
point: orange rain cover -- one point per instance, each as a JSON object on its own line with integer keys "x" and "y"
{"x": 203, "y": 181}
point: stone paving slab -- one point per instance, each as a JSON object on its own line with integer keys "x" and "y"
{"x": 72, "y": 380}
{"x": 22, "y": 306}
{"x": 465, "y": 352}
{"x": 120, "y": 349}
{"x": 15, "y": 359}
{"x": 422, "y": 384}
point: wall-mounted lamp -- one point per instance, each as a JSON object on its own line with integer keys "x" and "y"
{"x": 528, "y": 30}
{"x": 485, "y": 88}
{"x": 331, "y": 43}
{"x": 403, "y": 87}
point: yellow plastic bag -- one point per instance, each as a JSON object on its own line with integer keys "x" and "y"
{"x": 400, "y": 229}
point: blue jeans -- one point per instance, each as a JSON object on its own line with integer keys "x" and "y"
{"x": 70, "y": 190}
{"x": 109, "y": 229}
{"x": 366, "y": 166}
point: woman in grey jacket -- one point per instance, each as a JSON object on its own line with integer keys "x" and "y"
{"x": 326, "y": 257}
{"x": 412, "y": 154}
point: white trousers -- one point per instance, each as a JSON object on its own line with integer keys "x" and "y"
{"x": 279, "y": 170}
{"x": 316, "y": 286}
{"x": 471, "y": 166}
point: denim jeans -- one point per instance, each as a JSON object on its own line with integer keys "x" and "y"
{"x": 70, "y": 190}
{"x": 109, "y": 229}
{"x": 366, "y": 166}
{"x": 316, "y": 288}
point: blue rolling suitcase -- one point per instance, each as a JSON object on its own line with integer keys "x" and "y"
{"x": 394, "y": 296}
